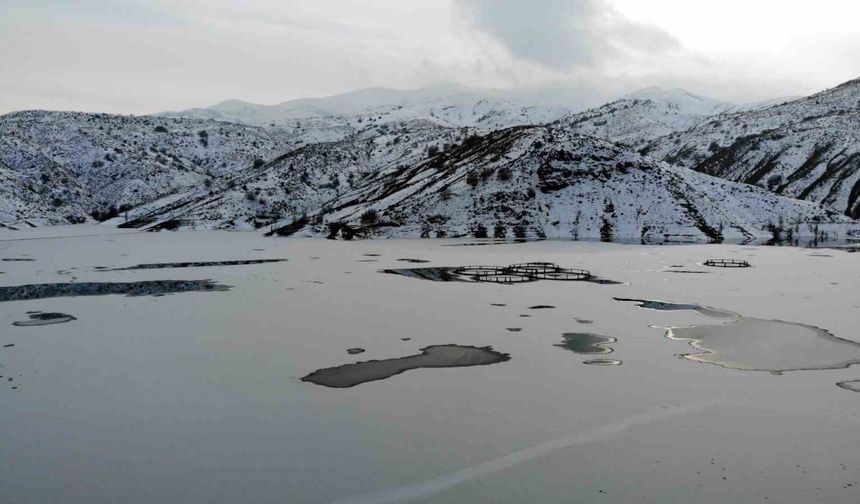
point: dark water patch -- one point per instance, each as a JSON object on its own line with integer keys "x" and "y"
{"x": 523, "y": 315}
{"x": 587, "y": 343}
{"x": 542, "y": 307}
{"x": 498, "y": 304}
{"x": 147, "y": 288}
{"x": 515, "y": 329}
{"x": 354, "y": 351}
{"x": 436, "y": 356}
{"x": 583, "y": 321}
{"x": 602, "y": 362}
{"x": 602, "y": 281}
{"x": 367, "y": 260}
{"x": 688, "y": 272}
{"x": 414, "y": 261}
{"x": 405, "y": 339}
{"x": 372, "y": 255}
{"x": 486, "y": 243}
{"x": 42, "y": 319}
{"x": 820, "y": 255}
{"x": 666, "y": 306}
{"x": 474, "y": 271}
{"x": 432, "y": 274}
{"x": 317, "y": 282}
{"x": 852, "y": 385}
{"x": 17, "y": 259}
{"x": 9, "y": 345}
{"x": 194, "y": 264}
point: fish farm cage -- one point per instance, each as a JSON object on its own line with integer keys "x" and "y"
{"x": 523, "y": 272}
{"x": 504, "y": 278}
{"x": 479, "y": 270}
{"x": 727, "y": 263}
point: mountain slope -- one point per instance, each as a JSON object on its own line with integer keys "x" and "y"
{"x": 681, "y": 100}
{"x": 450, "y": 106}
{"x": 645, "y": 115}
{"x": 50, "y": 198}
{"x": 807, "y": 148}
{"x": 297, "y": 182}
{"x": 36, "y": 189}
{"x": 113, "y": 160}
{"x": 547, "y": 181}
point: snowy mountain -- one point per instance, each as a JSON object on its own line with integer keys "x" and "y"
{"x": 807, "y": 148}
{"x": 645, "y": 115}
{"x": 648, "y": 114}
{"x": 296, "y": 182}
{"x": 38, "y": 191}
{"x": 97, "y": 161}
{"x": 336, "y": 117}
{"x": 548, "y": 182}
{"x": 681, "y": 100}
{"x": 444, "y": 161}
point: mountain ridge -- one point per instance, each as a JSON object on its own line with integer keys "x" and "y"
{"x": 542, "y": 181}
{"x": 807, "y": 148}
{"x": 168, "y": 172}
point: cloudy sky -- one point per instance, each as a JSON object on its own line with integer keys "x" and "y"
{"x": 139, "y": 56}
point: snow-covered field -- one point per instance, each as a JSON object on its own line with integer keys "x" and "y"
{"x": 197, "y": 397}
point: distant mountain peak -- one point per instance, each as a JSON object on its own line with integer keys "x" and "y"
{"x": 656, "y": 92}
{"x": 448, "y": 104}
{"x": 684, "y": 100}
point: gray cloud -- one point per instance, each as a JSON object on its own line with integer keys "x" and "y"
{"x": 148, "y": 55}
{"x": 563, "y": 34}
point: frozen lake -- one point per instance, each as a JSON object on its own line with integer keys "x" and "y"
{"x": 189, "y": 390}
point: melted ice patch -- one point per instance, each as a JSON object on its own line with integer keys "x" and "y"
{"x": 753, "y": 344}
{"x": 852, "y": 385}
{"x": 603, "y": 362}
{"x": 437, "y": 356}
{"x": 42, "y": 319}
{"x": 194, "y": 264}
{"x": 587, "y": 343}
{"x": 665, "y": 306}
{"x": 147, "y": 288}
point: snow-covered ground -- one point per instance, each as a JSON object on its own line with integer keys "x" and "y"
{"x": 242, "y": 166}
{"x": 197, "y": 398}
{"x": 61, "y": 166}
{"x": 548, "y": 182}
{"x": 447, "y": 105}
{"x": 806, "y": 148}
